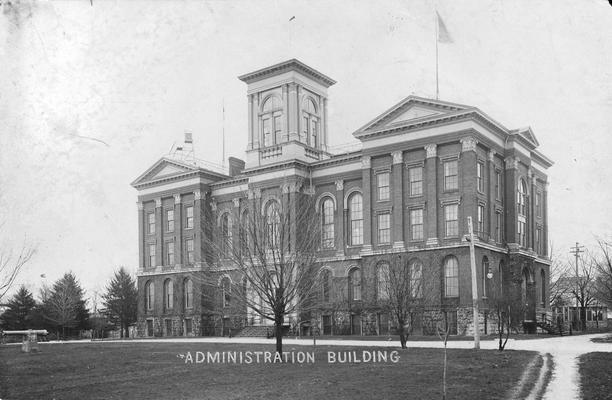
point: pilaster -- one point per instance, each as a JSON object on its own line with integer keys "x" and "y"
{"x": 178, "y": 229}
{"x": 292, "y": 112}
{"x": 491, "y": 195}
{"x": 397, "y": 192}
{"x": 199, "y": 224}
{"x": 431, "y": 190}
{"x": 340, "y": 220}
{"x": 250, "y": 111}
{"x": 510, "y": 187}
{"x": 159, "y": 233}
{"x": 366, "y": 181}
{"x": 467, "y": 183}
{"x": 141, "y": 231}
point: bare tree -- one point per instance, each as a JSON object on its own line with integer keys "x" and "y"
{"x": 406, "y": 286}
{"x": 276, "y": 255}
{"x": 558, "y": 286}
{"x": 333, "y": 299}
{"x": 603, "y": 267}
{"x": 11, "y": 264}
{"x": 582, "y": 286}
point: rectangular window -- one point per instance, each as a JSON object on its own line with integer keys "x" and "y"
{"x": 189, "y": 214}
{"x": 305, "y": 129}
{"x": 190, "y": 252}
{"x": 451, "y": 181}
{"x": 152, "y": 255}
{"x": 521, "y": 232}
{"x": 382, "y": 180}
{"x": 170, "y": 253}
{"x": 415, "y": 177}
{"x": 384, "y": 228}
{"x": 188, "y": 327}
{"x": 170, "y": 220}
{"x": 481, "y": 224}
{"x": 451, "y": 221}
{"x": 267, "y": 132}
{"x": 480, "y": 177}
{"x": 151, "y": 222}
{"x": 278, "y": 129}
{"x": 538, "y": 240}
{"x": 314, "y": 133}
{"x": 498, "y": 185}
{"x": 416, "y": 224}
{"x": 498, "y": 227}
{"x": 538, "y": 204}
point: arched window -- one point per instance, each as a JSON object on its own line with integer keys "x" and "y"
{"x": 382, "y": 281}
{"x": 272, "y": 223}
{"x": 245, "y": 233}
{"x": 356, "y": 219}
{"x": 451, "y": 277}
{"x": 271, "y": 121}
{"x": 325, "y": 285}
{"x": 416, "y": 279}
{"x": 149, "y": 295}
{"x": 226, "y": 235}
{"x": 354, "y": 284}
{"x": 168, "y": 294}
{"x": 226, "y": 293}
{"x": 486, "y": 269}
{"x": 327, "y": 223}
{"x": 542, "y": 287}
{"x": 310, "y": 128}
{"x": 188, "y": 293}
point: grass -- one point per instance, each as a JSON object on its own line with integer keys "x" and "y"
{"x": 595, "y": 377}
{"x": 156, "y": 371}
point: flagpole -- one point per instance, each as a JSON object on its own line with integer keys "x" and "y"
{"x": 437, "y": 33}
{"x": 223, "y": 106}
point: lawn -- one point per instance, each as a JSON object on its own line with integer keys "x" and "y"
{"x": 163, "y": 371}
{"x": 595, "y": 377}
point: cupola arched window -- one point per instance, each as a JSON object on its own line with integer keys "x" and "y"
{"x": 272, "y": 121}
{"x": 310, "y": 122}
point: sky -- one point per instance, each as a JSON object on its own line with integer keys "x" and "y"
{"x": 93, "y": 93}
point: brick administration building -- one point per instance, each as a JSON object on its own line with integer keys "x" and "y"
{"x": 425, "y": 165}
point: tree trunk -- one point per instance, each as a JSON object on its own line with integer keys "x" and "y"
{"x": 278, "y": 332}
{"x": 402, "y": 335}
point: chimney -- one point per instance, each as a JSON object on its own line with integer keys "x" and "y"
{"x": 236, "y": 166}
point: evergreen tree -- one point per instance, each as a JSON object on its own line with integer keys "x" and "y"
{"x": 18, "y": 315}
{"x": 121, "y": 300}
{"x": 65, "y": 307}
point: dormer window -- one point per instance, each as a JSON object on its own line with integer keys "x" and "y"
{"x": 310, "y": 128}
{"x": 271, "y": 121}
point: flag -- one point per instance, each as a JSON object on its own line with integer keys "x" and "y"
{"x": 188, "y": 137}
{"x": 443, "y": 35}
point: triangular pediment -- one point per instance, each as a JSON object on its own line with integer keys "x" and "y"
{"x": 409, "y": 110}
{"x": 528, "y": 134}
{"x": 164, "y": 168}
{"x": 415, "y": 112}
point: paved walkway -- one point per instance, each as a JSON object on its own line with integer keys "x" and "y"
{"x": 565, "y": 351}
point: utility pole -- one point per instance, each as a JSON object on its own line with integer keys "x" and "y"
{"x": 474, "y": 284}
{"x": 576, "y": 250}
